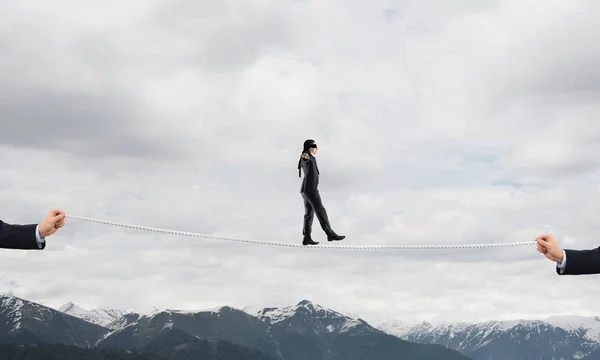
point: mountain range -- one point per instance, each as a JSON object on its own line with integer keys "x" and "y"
{"x": 299, "y": 332}
{"x": 296, "y": 332}
{"x": 557, "y": 337}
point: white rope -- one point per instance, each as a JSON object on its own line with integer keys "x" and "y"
{"x": 352, "y": 247}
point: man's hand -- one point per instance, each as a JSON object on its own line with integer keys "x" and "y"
{"x": 305, "y": 156}
{"x": 54, "y": 220}
{"x": 547, "y": 245}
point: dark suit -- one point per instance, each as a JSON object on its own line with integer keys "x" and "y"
{"x": 581, "y": 262}
{"x": 312, "y": 199}
{"x": 20, "y": 237}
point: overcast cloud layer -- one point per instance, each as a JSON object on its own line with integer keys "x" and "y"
{"x": 438, "y": 123}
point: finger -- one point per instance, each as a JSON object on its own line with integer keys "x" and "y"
{"x": 543, "y": 248}
{"x": 55, "y": 212}
{"x": 58, "y": 214}
{"x": 540, "y": 248}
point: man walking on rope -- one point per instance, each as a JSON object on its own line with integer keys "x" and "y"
{"x": 569, "y": 262}
{"x": 310, "y": 194}
{"x": 31, "y": 236}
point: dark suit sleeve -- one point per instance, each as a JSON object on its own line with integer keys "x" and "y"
{"x": 20, "y": 237}
{"x": 581, "y": 262}
{"x": 311, "y": 177}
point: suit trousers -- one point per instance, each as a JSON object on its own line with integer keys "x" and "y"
{"x": 313, "y": 205}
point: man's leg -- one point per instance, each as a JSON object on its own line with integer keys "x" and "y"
{"x": 319, "y": 209}
{"x": 309, "y": 213}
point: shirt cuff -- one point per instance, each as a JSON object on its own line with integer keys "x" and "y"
{"x": 38, "y": 238}
{"x": 561, "y": 265}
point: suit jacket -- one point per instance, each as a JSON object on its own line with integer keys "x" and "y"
{"x": 21, "y": 237}
{"x": 310, "y": 182}
{"x": 581, "y": 262}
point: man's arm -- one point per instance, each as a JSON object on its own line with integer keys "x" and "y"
{"x": 311, "y": 177}
{"x": 21, "y": 237}
{"x": 580, "y": 262}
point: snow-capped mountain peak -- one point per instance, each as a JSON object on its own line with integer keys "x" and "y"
{"x": 10, "y": 309}
{"x": 275, "y": 315}
{"x": 10, "y": 302}
{"x": 72, "y": 309}
{"x": 102, "y": 317}
{"x": 401, "y": 329}
{"x": 589, "y": 325}
{"x": 322, "y": 319}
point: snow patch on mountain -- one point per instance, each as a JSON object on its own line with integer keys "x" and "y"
{"x": 169, "y": 323}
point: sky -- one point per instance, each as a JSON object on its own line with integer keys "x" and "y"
{"x": 437, "y": 122}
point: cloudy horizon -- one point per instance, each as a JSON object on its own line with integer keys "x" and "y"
{"x": 437, "y": 123}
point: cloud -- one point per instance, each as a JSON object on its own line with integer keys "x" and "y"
{"x": 438, "y": 123}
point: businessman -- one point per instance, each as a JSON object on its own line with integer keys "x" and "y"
{"x": 310, "y": 193}
{"x": 569, "y": 262}
{"x": 31, "y": 236}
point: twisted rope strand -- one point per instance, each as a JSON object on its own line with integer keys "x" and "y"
{"x": 260, "y": 242}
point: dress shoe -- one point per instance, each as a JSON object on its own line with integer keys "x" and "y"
{"x": 309, "y": 241}
{"x": 335, "y": 237}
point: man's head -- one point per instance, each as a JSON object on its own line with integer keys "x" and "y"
{"x": 310, "y": 146}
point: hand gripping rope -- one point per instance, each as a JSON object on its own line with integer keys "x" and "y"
{"x": 350, "y": 247}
